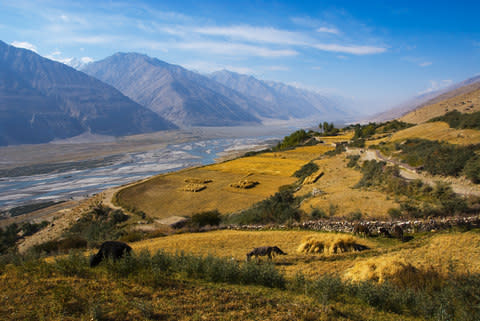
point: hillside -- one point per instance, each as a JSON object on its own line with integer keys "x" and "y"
{"x": 464, "y": 99}
{"x": 42, "y": 100}
{"x": 181, "y": 96}
{"x": 427, "y": 99}
{"x": 397, "y": 250}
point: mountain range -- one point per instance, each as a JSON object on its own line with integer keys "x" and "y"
{"x": 187, "y": 98}
{"x": 42, "y": 100}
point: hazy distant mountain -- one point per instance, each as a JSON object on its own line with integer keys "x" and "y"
{"x": 429, "y": 98}
{"x": 41, "y": 100}
{"x": 277, "y": 100}
{"x": 181, "y": 96}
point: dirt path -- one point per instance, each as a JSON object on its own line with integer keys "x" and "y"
{"x": 460, "y": 185}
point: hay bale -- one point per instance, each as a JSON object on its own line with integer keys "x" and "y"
{"x": 197, "y": 180}
{"x": 313, "y": 178}
{"x": 191, "y": 187}
{"x": 379, "y": 269}
{"x": 245, "y": 184}
{"x": 330, "y": 244}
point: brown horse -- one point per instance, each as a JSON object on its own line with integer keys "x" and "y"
{"x": 361, "y": 229}
{"x": 397, "y": 232}
{"x": 264, "y": 251}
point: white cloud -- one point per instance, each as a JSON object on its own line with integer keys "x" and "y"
{"x": 421, "y": 62}
{"x": 24, "y": 45}
{"x": 256, "y": 34}
{"x": 235, "y": 49}
{"x": 305, "y": 21}
{"x": 332, "y": 30}
{"x": 425, "y": 64}
{"x": 437, "y": 85}
{"x": 351, "y": 49}
{"x": 317, "y": 68}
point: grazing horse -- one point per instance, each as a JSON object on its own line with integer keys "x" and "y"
{"x": 110, "y": 249}
{"x": 384, "y": 231}
{"x": 264, "y": 251}
{"x": 397, "y": 232}
{"x": 361, "y": 229}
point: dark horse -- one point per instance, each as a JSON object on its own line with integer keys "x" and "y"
{"x": 110, "y": 249}
{"x": 264, "y": 251}
{"x": 361, "y": 229}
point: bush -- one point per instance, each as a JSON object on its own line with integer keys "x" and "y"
{"x": 472, "y": 169}
{"x": 318, "y": 213}
{"x": 306, "y": 170}
{"x": 202, "y": 219}
{"x": 456, "y": 119}
{"x": 294, "y": 139}
{"x": 353, "y": 160}
{"x": 279, "y": 208}
{"x": 339, "y": 148}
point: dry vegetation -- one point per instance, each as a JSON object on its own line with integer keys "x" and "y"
{"x": 468, "y": 102}
{"x": 163, "y": 196}
{"x": 434, "y": 131}
{"x": 338, "y": 196}
{"x": 330, "y": 244}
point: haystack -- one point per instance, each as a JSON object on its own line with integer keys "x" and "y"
{"x": 245, "y": 184}
{"x": 379, "y": 269}
{"x": 191, "y": 187}
{"x": 313, "y": 178}
{"x": 330, "y": 244}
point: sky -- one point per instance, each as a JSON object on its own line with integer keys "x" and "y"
{"x": 375, "y": 54}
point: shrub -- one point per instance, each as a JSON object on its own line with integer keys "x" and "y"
{"x": 280, "y": 208}
{"x": 472, "y": 169}
{"x": 306, "y": 170}
{"x": 294, "y": 139}
{"x": 318, "y": 213}
{"x": 394, "y": 213}
{"x": 353, "y": 160}
{"x": 206, "y": 218}
{"x": 339, "y": 148}
{"x": 456, "y": 119}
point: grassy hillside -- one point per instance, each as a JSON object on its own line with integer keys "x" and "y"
{"x": 428, "y": 278}
{"x": 163, "y": 196}
{"x": 464, "y": 102}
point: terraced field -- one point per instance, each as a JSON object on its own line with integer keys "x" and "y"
{"x": 459, "y": 252}
{"x": 163, "y": 196}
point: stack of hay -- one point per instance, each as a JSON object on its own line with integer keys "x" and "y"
{"x": 330, "y": 244}
{"x": 191, "y": 187}
{"x": 245, "y": 184}
{"x": 313, "y": 178}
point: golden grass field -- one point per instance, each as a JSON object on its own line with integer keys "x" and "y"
{"x": 163, "y": 196}
{"x": 434, "y": 131}
{"x": 337, "y": 184}
{"x": 465, "y": 103}
{"x": 442, "y": 251}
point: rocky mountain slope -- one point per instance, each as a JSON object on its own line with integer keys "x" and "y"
{"x": 42, "y": 100}
{"x": 277, "y": 100}
{"x": 181, "y": 96}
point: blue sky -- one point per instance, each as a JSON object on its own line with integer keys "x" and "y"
{"x": 376, "y": 53}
